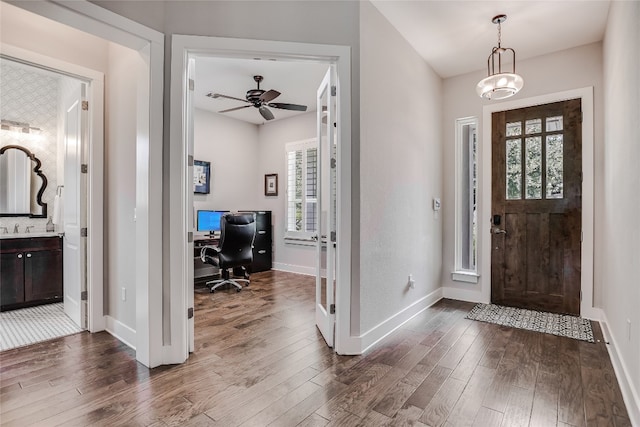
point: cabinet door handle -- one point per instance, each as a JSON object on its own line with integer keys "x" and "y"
{"x": 19, "y": 255}
{"x": 262, "y": 232}
{"x": 28, "y": 255}
{"x": 262, "y": 251}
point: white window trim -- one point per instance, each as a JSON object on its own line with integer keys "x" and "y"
{"x": 460, "y": 274}
{"x": 302, "y": 238}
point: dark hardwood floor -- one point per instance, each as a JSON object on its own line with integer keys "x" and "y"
{"x": 259, "y": 360}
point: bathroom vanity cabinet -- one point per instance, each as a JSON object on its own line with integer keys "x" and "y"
{"x": 31, "y": 271}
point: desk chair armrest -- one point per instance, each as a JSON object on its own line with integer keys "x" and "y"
{"x": 208, "y": 252}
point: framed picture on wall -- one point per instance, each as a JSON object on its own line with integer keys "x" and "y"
{"x": 201, "y": 176}
{"x": 271, "y": 184}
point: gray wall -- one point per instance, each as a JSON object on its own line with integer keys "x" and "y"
{"x": 401, "y": 172}
{"x": 620, "y": 200}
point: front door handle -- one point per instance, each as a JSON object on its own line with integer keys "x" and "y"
{"x": 497, "y": 230}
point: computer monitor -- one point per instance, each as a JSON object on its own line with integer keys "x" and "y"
{"x": 209, "y": 221}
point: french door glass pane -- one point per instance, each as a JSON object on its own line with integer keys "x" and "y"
{"x": 555, "y": 163}
{"x": 533, "y": 167}
{"x": 311, "y": 219}
{"x": 514, "y": 169}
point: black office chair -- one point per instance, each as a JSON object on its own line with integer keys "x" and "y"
{"x": 234, "y": 251}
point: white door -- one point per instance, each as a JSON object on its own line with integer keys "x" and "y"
{"x": 326, "y": 208}
{"x": 74, "y": 207}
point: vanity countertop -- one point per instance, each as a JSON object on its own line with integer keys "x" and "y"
{"x": 30, "y": 235}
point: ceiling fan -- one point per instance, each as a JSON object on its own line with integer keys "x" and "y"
{"x": 260, "y": 99}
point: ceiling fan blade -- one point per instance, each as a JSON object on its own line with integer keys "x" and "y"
{"x": 266, "y": 113}
{"x": 234, "y": 109}
{"x": 219, "y": 95}
{"x": 269, "y": 95}
{"x": 295, "y": 107}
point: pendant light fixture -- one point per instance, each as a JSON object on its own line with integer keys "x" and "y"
{"x": 499, "y": 84}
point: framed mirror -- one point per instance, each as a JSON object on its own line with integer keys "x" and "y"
{"x": 22, "y": 183}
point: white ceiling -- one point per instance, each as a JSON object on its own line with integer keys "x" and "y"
{"x": 454, "y": 37}
{"x": 296, "y": 81}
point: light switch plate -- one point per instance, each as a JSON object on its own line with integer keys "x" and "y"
{"x": 436, "y": 204}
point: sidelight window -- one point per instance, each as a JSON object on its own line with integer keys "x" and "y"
{"x": 466, "y": 200}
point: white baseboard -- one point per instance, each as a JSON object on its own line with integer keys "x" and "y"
{"x": 386, "y": 327}
{"x": 629, "y": 392}
{"x": 463, "y": 295}
{"x": 120, "y": 331}
{"x": 291, "y": 268}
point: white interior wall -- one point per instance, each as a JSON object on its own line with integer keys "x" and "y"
{"x": 560, "y": 71}
{"x": 620, "y": 199}
{"x": 241, "y": 154}
{"x": 120, "y": 173}
{"x": 231, "y": 146}
{"x": 273, "y": 137}
{"x": 401, "y": 172}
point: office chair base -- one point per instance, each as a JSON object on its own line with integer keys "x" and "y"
{"x": 215, "y": 284}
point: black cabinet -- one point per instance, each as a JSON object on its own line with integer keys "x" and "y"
{"x": 263, "y": 243}
{"x": 31, "y": 271}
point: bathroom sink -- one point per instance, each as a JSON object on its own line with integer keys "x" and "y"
{"x": 30, "y": 234}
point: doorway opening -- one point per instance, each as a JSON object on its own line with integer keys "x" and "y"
{"x": 184, "y": 48}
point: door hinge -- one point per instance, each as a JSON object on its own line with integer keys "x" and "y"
{"x": 84, "y": 168}
{"x": 84, "y": 232}
{"x": 333, "y": 163}
{"x": 190, "y": 313}
{"x": 581, "y": 236}
{"x": 332, "y": 309}
{"x": 580, "y": 294}
{"x": 84, "y": 296}
{"x": 334, "y": 90}
{"x": 189, "y": 160}
{"x": 190, "y": 237}
{"x": 85, "y": 105}
{"x": 192, "y": 84}
{"x": 333, "y": 236}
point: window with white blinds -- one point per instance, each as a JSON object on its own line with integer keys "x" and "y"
{"x": 302, "y": 188}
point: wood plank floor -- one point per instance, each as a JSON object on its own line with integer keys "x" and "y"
{"x": 260, "y": 361}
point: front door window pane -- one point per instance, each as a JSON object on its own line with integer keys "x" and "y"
{"x": 553, "y": 124}
{"x": 533, "y": 167}
{"x": 555, "y": 162}
{"x": 533, "y": 126}
{"x": 514, "y": 129}
{"x": 514, "y": 169}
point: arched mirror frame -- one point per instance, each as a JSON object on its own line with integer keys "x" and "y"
{"x": 38, "y": 172}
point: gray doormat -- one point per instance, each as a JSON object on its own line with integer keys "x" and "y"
{"x": 34, "y": 324}
{"x": 549, "y": 323}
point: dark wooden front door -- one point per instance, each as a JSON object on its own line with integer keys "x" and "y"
{"x": 536, "y": 207}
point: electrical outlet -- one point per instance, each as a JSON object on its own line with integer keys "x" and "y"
{"x": 124, "y": 293}
{"x": 412, "y": 283}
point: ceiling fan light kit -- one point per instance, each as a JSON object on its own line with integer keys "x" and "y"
{"x": 259, "y": 99}
{"x": 499, "y": 84}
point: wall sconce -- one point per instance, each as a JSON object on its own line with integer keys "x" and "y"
{"x": 19, "y": 127}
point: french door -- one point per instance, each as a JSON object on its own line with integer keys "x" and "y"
{"x": 326, "y": 208}
{"x": 536, "y": 207}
